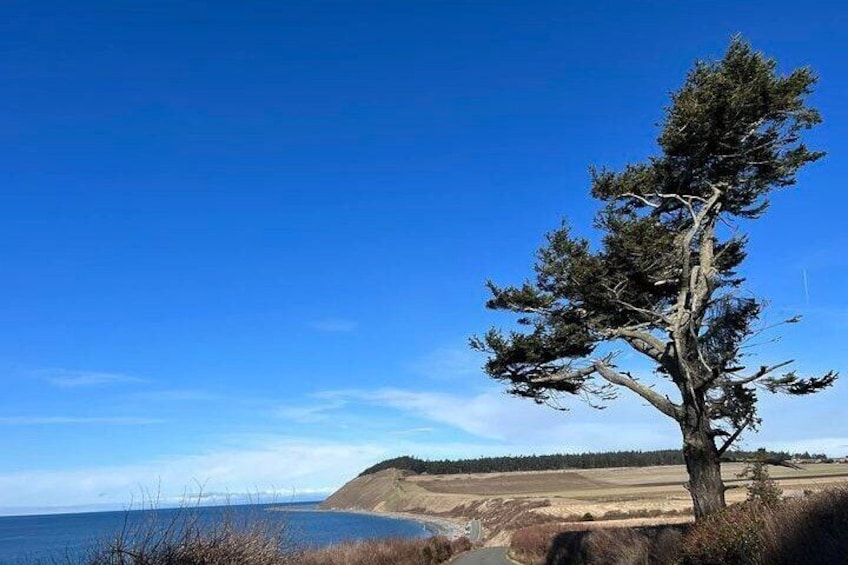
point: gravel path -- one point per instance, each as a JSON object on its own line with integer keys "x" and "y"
{"x": 487, "y": 556}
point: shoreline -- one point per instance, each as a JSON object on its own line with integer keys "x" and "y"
{"x": 451, "y": 528}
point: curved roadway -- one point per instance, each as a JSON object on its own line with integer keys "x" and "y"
{"x": 487, "y": 556}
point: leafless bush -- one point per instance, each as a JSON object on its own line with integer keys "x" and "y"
{"x": 569, "y": 544}
{"x": 810, "y": 531}
{"x": 813, "y": 530}
{"x": 184, "y": 536}
{"x": 429, "y": 551}
{"x": 531, "y": 544}
{"x": 643, "y": 513}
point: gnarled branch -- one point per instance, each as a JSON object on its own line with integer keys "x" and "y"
{"x": 658, "y": 401}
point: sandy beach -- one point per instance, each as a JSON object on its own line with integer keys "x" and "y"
{"x": 451, "y": 528}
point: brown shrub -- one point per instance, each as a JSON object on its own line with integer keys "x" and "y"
{"x": 429, "y": 551}
{"x": 649, "y": 545}
{"x": 621, "y": 546}
{"x": 643, "y": 513}
{"x": 732, "y": 536}
{"x": 811, "y": 531}
{"x": 532, "y": 544}
{"x": 549, "y": 544}
{"x": 183, "y": 540}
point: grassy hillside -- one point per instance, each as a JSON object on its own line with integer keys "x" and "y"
{"x": 508, "y": 501}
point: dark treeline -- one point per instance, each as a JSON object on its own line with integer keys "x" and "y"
{"x": 550, "y": 462}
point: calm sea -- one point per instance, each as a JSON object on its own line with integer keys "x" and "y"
{"x": 40, "y": 539}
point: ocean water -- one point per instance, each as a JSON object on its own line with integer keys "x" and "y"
{"x": 27, "y": 540}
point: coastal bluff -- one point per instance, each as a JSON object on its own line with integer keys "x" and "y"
{"x": 400, "y": 491}
{"x": 384, "y": 491}
{"x": 504, "y": 502}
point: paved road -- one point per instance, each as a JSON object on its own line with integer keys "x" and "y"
{"x": 487, "y": 556}
{"x": 475, "y": 531}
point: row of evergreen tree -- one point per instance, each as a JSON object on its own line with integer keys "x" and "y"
{"x": 549, "y": 462}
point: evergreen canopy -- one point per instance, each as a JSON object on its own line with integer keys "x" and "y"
{"x": 665, "y": 279}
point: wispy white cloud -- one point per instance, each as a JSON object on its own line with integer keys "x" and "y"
{"x": 449, "y": 363}
{"x": 334, "y": 325}
{"x": 494, "y": 416}
{"x": 74, "y": 420}
{"x": 65, "y": 378}
{"x": 311, "y": 413}
{"x": 267, "y": 467}
{"x": 176, "y": 395}
{"x": 423, "y": 430}
{"x": 275, "y": 468}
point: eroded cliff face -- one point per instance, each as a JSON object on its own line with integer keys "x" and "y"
{"x": 383, "y": 491}
{"x": 392, "y": 490}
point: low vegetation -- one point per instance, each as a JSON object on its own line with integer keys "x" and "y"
{"x": 255, "y": 548}
{"x": 430, "y": 551}
{"x": 810, "y": 530}
{"x": 184, "y": 539}
{"x": 576, "y": 544}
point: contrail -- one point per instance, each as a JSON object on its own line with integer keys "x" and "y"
{"x": 806, "y": 288}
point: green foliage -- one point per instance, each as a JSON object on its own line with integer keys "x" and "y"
{"x": 665, "y": 279}
{"x": 762, "y": 488}
{"x": 549, "y": 462}
{"x": 731, "y": 135}
{"x": 531, "y": 462}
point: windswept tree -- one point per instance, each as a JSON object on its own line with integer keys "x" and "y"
{"x": 664, "y": 278}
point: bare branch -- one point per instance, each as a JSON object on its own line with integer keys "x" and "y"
{"x": 566, "y": 376}
{"x": 658, "y": 401}
{"x": 642, "y": 341}
{"x": 765, "y": 460}
{"x": 762, "y": 372}
{"x": 733, "y": 437}
{"x": 641, "y": 199}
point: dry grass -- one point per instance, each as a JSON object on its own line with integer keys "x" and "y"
{"x": 572, "y": 544}
{"x": 531, "y": 545}
{"x": 184, "y": 539}
{"x": 430, "y": 551}
{"x": 812, "y": 531}
{"x": 503, "y": 484}
{"x": 809, "y": 531}
{"x": 608, "y": 483}
{"x": 607, "y": 494}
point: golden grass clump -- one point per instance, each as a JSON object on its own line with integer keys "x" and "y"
{"x": 428, "y": 551}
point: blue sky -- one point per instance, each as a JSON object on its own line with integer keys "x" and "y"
{"x": 244, "y": 245}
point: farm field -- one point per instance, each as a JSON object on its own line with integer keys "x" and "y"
{"x": 504, "y": 502}
{"x": 593, "y": 480}
{"x": 625, "y": 489}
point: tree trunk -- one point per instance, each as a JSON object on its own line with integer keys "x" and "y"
{"x": 704, "y": 467}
